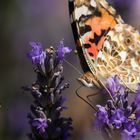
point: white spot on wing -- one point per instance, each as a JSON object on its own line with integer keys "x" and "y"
{"x": 101, "y": 56}
{"x": 123, "y": 55}
{"x": 83, "y": 10}
{"x": 93, "y": 3}
{"x": 119, "y": 28}
{"x": 85, "y": 35}
{"x": 107, "y": 45}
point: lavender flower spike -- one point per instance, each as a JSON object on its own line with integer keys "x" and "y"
{"x": 120, "y": 114}
{"x": 45, "y": 118}
{"x": 62, "y": 50}
{"x": 37, "y": 55}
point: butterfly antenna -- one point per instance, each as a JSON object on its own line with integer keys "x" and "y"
{"x": 78, "y": 94}
{"x": 71, "y": 65}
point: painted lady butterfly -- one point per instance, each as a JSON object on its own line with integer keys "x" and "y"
{"x": 105, "y": 44}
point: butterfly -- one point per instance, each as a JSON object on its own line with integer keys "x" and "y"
{"x": 105, "y": 44}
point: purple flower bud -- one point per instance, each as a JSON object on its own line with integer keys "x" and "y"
{"x": 130, "y": 128}
{"x": 118, "y": 118}
{"x": 125, "y": 136}
{"x": 128, "y": 111}
{"x": 37, "y": 55}
{"x": 102, "y": 114}
{"x": 110, "y": 104}
{"x": 40, "y": 124}
{"x": 113, "y": 85}
{"x": 62, "y": 50}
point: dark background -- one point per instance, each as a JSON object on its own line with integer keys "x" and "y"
{"x": 46, "y": 21}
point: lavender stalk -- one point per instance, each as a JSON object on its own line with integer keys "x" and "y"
{"x": 121, "y": 115}
{"x": 45, "y": 118}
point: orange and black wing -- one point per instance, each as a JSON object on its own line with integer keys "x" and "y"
{"x": 91, "y": 20}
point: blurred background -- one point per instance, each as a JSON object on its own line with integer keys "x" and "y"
{"x": 46, "y": 21}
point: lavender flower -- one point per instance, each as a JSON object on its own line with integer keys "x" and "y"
{"x": 119, "y": 114}
{"x": 113, "y": 85}
{"x": 125, "y": 136}
{"x": 117, "y": 118}
{"x": 36, "y": 55}
{"x": 102, "y": 114}
{"x": 130, "y": 128}
{"x": 45, "y": 117}
{"x": 62, "y": 50}
{"x": 39, "y": 124}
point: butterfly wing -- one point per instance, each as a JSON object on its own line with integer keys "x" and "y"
{"x": 91, "y": 20}
{"x": 120, "y": 55}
